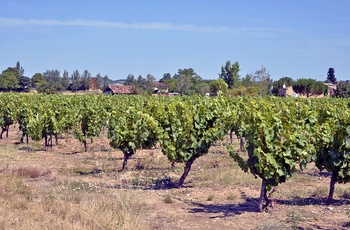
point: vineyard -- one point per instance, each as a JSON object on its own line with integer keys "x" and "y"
{"x": 282, "y": 138}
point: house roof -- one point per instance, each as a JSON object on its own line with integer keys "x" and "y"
{"x": 160, "y": 85}
{"x": 120, "y": 89}
{"x": 331, "y": 85}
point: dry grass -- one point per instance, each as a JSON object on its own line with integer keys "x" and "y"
{"x": 65, "y": 188}
{"x": 68, "y": 205}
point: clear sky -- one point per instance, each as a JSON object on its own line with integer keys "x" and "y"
{"x": 298, "y": 39}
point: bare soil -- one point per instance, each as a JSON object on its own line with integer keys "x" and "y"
{"x": 216, "y": 194}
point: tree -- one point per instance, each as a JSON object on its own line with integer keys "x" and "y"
{"x": 217, "y": 86}
{"x": 171, "y": 83}
{"x": 130, "y": 80}
{"x": 248, "y": 80}
{"x": 38, "y": 79}
{"x": 141, "y": 82}
{"x": 280, "y": 84}
{"x": 12, "y": 70}
{"x": 54, "y": 80}
{"x": 185, "y": 80}
{"x": 8, "y": 81}
{"x": 183, "y": 84}
{"x": 331, "y": 76}
{"x": 45, "y": 87}
{"x": 25, "y": 83}
{"x": 19, "y": 69}
{"x": 65, "y": 80}
{"x": 286, "y": 81}
{"x": 166, "y": 76}
{"x": 309, "y": 87}
{"x": 98, "y": 81}
{"x": 262, "y": 77}
{"x": 75, "y": 80}
{"x": 188, "y": 72}
{"x": 85, "y": 80}
{"x": 230, "y": 73}
{"x": 150, "y": 80}
{"x": 343, "y": 89}
{"x": 198, "y": 85}
{"x": 105, "y": 82}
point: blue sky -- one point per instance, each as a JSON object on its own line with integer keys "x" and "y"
{"x": 298, "y": 39}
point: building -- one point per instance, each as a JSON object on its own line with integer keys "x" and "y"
{"x": 160, "y": 88}
{"x": 288, "y": 91}
{"x": 332, "y": 88}
{"x": 119, "y": 89}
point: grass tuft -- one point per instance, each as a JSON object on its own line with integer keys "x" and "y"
{"x": 168, "y": 200}
{"x": 210, "y": 197}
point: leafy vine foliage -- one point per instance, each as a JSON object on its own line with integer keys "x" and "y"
{"x": 190, "y": 126}
{"x": 130, "y": 129}
{"x": 282, "y": 135}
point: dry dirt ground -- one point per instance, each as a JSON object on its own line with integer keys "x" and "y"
{"x": 216, "y": 194}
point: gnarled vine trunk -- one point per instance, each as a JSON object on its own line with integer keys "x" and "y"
{"x": 127, "y": 155}
{"x": 331, "y": 186}
{"x": 263, "y": 196}
{"x": 187, "y": 169}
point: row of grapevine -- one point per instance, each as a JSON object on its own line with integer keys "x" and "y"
{"x": 281, "y": 135}
{"x": 284, "y": 135}
{"x": 184, "y": 127}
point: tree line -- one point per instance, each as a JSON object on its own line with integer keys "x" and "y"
{"x": 185, "y": 82}
{"x": 50, "y": 81}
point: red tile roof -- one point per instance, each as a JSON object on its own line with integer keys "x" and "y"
{"x": 121, "y": 89}
{"x": 160, "y": 85}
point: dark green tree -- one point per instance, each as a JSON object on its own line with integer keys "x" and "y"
{"x": 286, "y": 81}
{"x": 309, "y": 87}
{"x": 230, "y": 73}
{"x": 188, "y": 72}
{"x": 25, "y": 83}
{"x": 331, "y": 76}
